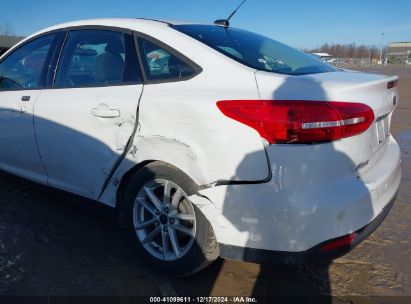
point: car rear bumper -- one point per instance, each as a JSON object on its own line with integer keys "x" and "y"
{"x": 291, "y": 218}
{"x": 311, "y": 256}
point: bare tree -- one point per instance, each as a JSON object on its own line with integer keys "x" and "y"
{"x": 375, "y": 52}
{"x": 6, "y": 29}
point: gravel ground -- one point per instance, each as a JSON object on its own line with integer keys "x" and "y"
{"x": 54, "y": 244}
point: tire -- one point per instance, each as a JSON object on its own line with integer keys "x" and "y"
{"x": 177, "y": 239}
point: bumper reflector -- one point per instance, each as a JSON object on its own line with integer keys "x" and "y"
{"x": 341, "y": 242}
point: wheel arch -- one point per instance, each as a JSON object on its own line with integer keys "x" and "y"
{"x": 127, "y": 176}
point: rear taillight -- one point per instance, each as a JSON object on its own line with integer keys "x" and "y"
{"x": 296, "y": 121}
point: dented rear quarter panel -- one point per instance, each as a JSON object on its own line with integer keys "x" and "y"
{"x": 180, "y": 123}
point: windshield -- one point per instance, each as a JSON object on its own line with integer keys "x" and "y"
{"x": 255, "y": 51}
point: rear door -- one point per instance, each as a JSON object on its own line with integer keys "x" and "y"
{"x": 84, "y": 122}
{"x": 22, "y": 76}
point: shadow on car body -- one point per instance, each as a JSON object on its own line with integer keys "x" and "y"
{"x": 309, "y": 283}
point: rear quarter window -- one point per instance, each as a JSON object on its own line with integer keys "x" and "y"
{"x": 160, "y": 64}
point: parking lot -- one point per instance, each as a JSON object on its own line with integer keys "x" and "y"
{"x": 53, "y": 244}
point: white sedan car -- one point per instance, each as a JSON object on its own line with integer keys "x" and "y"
{"x": 207, "y": 140}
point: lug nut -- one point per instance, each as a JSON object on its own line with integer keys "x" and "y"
{"x": 166, "y": 209}
{"x": 165, "y": 229}
{"x": 157, "y": 223}
{"x": 171, "y": 221}
{"x": 157, "y": 212}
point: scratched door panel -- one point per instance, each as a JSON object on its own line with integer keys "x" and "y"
{"x": 78, "y": 148}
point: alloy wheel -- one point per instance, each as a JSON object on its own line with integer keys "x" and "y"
{"x": 164, "y": 220}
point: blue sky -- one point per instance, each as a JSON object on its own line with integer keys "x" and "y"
{"x": 302, "y": 24}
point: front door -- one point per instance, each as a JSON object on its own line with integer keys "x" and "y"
{"x": 21, "y": 77}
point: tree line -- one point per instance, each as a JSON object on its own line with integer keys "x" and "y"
{"x": 348, "y": 50}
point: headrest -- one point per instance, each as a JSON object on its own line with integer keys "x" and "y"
{"x": 114, "y": 47}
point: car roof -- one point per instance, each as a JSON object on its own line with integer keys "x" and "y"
{"x": 130, "y": 23}
{"x": 137, "y": 24}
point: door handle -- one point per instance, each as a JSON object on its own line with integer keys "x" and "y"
{"x": 104, "y": 111}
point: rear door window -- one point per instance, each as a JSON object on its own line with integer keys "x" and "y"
{"x": 98, "y": 58}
